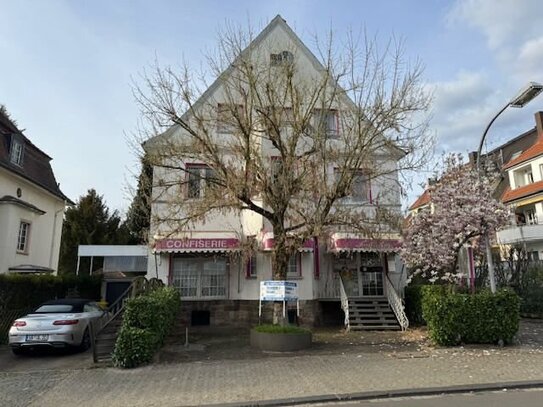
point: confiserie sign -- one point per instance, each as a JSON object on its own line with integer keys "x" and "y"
{"x": 197, "y": 244}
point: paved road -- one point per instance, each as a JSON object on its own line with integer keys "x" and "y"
{"x": 236, "y": 381}
{"x": 520, "y": 398}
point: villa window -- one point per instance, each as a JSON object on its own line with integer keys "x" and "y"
{"x": 16, "y": 153}
{"x": 281, "y": 58}
{"x": 23, "y": 237}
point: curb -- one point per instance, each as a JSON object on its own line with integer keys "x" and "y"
{"x": 386, "y": 394}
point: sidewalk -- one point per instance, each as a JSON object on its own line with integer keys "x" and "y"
{"x": 277, "y": 377}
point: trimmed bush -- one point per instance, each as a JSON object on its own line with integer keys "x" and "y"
{"x": 454, "y": 318}
{"x": 134, "y": 347}
{"x": 151, "y": 315}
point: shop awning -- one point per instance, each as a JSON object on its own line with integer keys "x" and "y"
{"x": 344, "y": 243}
{"x": 268, "y": 242}
{"x": 198, "y": 245}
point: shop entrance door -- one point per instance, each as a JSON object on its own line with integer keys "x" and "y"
{"x": 370, "y": 275}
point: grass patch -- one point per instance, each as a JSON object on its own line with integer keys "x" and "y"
{"x": 278, "y": 329}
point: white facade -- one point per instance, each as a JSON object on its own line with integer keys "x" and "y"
{"x": 44, "y": 214}
{"x": 204, "y": 262}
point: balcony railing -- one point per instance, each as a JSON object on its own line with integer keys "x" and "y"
{"x": 520, "y": 233}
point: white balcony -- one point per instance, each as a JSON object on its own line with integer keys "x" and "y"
{"x": 520, "y": 233}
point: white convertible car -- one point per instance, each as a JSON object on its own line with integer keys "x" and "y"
{"x": 57, "y": 323}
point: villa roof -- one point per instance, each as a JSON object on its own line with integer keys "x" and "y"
{"x": 522, "y": 192}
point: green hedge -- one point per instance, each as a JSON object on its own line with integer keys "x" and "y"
{"x": 454, "y": 318}
{"x": 146, "y": 322}
{"x": 28, "y": 291}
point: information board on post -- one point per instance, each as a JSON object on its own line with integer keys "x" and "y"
{"x": 278, "y": 290}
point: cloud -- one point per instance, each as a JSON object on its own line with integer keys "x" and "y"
{"x": 504, "y": 22}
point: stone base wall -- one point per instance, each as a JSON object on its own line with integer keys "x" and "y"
{"x": 244, "y": 313}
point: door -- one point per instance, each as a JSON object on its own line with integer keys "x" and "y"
{"x": 370, "y": 278}
{"x": 114, "y": 289}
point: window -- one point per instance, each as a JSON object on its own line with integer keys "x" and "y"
{"x": 198, "y": 178}
{"x": 529, "y": 177}
{"x": 251, "y": 267}
{"x": 276, "y": 167}
{"x": 294, "y": 266}
{"x": 200, "y": 277}
{"x": 360, "y": 188}
{"x": 531, "y": 217}
{"x": 227, "y": 119}
{"x": 282, "y": 58}
{"x": 16, "y": 155}
{"x": 327, "y": 121}
{"x": 23, "y": 237}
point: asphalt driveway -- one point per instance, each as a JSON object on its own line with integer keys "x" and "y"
{"x": 45, "y": 359}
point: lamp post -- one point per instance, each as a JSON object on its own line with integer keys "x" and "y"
{"x": 528, "y": 93}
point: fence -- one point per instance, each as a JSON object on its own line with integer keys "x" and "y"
{"x": 6, "y": 319}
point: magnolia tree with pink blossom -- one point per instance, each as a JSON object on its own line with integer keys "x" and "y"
{"x": 462, "y": 209}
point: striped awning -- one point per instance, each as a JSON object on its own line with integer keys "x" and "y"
{"x": 344, "y": 243}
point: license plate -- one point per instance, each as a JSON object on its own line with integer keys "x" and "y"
{"x": 36, "y": 338}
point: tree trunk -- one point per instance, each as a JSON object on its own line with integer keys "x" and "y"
{"x": 280, "y": 260}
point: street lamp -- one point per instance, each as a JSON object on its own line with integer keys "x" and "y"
{"x": 528, "y": 93}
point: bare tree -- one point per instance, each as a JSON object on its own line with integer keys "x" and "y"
{"x": 286, "y": 135}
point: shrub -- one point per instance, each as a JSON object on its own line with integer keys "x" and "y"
{"x": 134, "y": 346}
{"x": 278, "y": 329}
{"x": 454, "y": 318}
{"x": 151, "y": 315}
{"x": 531, "y": 292}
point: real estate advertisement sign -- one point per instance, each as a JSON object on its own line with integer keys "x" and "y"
{"x": 278, "y": 291}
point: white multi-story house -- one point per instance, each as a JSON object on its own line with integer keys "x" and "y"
{"x": 218, "y": 286}
{"x": 31, "y": 205}
{"x": 524, "y": 196}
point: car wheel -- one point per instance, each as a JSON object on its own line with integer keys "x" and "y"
{"x": 17, "y": 351}
{"x": 85, "y": 341}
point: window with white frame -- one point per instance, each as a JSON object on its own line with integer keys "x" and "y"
{"x": 327, "y": 121}
{"x": 200, "y": 277}
{"x": 16, "y": 153}
{"x": 294, "y": 266}
{"x": 23, "y": 237}
{"x": 199, "y": 177}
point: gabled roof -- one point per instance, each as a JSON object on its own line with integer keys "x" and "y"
{"x": 422, "y": 200}
{"x": 277, "y": 21}
{"x": 532, "y": 152}
{"x": 36, "y": 166}
{"x": 522, "y": 192}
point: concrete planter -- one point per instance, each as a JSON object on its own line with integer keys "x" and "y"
{"x": 280, "y": 342}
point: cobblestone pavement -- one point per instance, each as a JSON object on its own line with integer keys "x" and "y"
{"x": 352, "y": 368}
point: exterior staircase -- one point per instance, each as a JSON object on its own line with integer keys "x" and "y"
{"x": 371, "y": 314}
{"x": 104, "y": 341}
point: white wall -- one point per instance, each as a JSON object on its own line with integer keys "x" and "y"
{"x": 45, "y": 230}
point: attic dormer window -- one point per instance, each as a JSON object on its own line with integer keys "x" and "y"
{"x": 16, "y": 152}
{"x": 282, "y": 58}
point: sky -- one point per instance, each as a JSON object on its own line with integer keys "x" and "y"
{"x": 67, "y": 68}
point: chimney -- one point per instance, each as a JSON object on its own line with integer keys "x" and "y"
{"x": 539, "y": 124}
{"x": 472, "y": 157}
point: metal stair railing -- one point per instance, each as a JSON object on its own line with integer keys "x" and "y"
{"x": 137, "y": 286}
{"x": 344, "y": 303}
{"x": 396, "y": 304}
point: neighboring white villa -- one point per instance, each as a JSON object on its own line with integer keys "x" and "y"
{"x": 31, "y": 205}
{"x": 525, "y": 196}
{"x": 218, "y": 287}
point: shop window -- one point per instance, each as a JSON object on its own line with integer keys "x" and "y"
{"x": 200, "y": 277}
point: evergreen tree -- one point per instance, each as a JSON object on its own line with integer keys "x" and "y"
{"x": 89, "y": 222}
{"x": 139, "y": 213}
